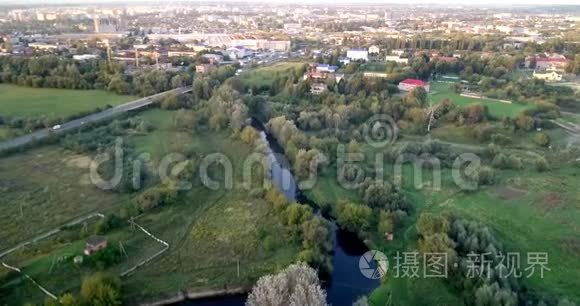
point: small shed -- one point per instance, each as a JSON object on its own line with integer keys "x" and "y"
{"x": 94, "y": 244}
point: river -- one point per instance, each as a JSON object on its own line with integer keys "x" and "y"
{"x": 346, "y": 283}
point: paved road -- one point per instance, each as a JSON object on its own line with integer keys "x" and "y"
{"x": 73, "y": 124}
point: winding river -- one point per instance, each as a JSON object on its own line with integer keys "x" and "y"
{"x": 346, "y": 283}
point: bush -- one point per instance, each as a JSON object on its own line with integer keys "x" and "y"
{"x": 541, "y": 164}
{"x": 500, "y": 139}
{"x": 505, "y": 161}
{"x": 542, "y": 140}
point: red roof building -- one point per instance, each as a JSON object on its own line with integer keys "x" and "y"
{"x": 410, "y": 84}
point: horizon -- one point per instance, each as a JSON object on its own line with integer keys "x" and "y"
{"x": 486, "y": 3}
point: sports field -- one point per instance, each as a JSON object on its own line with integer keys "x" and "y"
{"x": 28, "y": 102}
{"x": 440, "y": 91}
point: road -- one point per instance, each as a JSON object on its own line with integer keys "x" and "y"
{"x": 74, "y": 124}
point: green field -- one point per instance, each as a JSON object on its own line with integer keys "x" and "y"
{"x": 541, "y": 216}
{"x": 27, "y": 102}
{"x": 373, "y": 67}
{"x": 440, "y": 91}
{"x": 45, "y": 188}
{"x": 265, "y": 75}
{"x": 210, "y": 233}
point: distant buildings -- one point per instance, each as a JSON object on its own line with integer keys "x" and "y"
{"x": 410, "y": 84}
{"x": 264, "y": 44}
{"x": 357, "y": 54}
{"x": 396, "y": 59}
{"x": 85, "y": 57}
{"x": 42, "y": 46}
{"x": 181, "y": 54}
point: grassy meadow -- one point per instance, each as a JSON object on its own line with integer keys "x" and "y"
{"x": 265, "y": 75}
{"x": 27, "y": 102}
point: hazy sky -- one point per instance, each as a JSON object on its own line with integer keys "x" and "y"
{"x": 446, "y": 2}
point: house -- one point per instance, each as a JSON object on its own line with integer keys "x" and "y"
{"x": 181, "y": 54}
{"x": 213, "y": 58}
{"x": 42, "y": 46}
{"x": 374, "y": 50}
{"x": 544, "y": 63}
{"x": 410, "y": 84}
{"x": 84, "y": 57}
{"x": 372, "y": 74}
{"x": 94, "y": 244}
{"x": 549, "y": 75}
{"x": 326, "y": 68}
{"x": 238, "y": 52}
{"x": 396, "y": 59}
{"x": 357, "y": 54}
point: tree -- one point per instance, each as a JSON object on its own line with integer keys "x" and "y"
{"x": 386, "y": 223}
{"x": 249, "y": 135}
{"x": 541, "y": 164}
{"x": 353, "y": 217}
{"x": 101, "y": 289}
{"x": 296, "y": 285}
{"x": 170, "y": 102}
{"x": 524, "y": 122}
{"x": 542, "y": 140}
{"x": 429, "y": 224}
{"x": 177, "y": 81}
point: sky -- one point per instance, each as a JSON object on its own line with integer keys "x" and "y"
{"x": 445, "y": 2}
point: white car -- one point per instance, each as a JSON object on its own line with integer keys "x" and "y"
{"x": 56, "y": 127}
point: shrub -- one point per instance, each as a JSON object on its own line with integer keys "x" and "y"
{"x": 542, "y": 140}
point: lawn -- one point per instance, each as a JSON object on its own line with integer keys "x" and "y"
{"x": 28, "y": 102}
{"x": 373, "y": 67}
{"x": 217, "y": 238}
{"x": 440, "y": 91}
{"x": 265, "y": 75}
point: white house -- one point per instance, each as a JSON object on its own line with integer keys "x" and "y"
{"x": 85, "y": 57}
{"x": 396, "y": 59}
{"x": 374, "y": 50}
{"x": 548, "y": 75}
{"x": 357, "y": 54}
